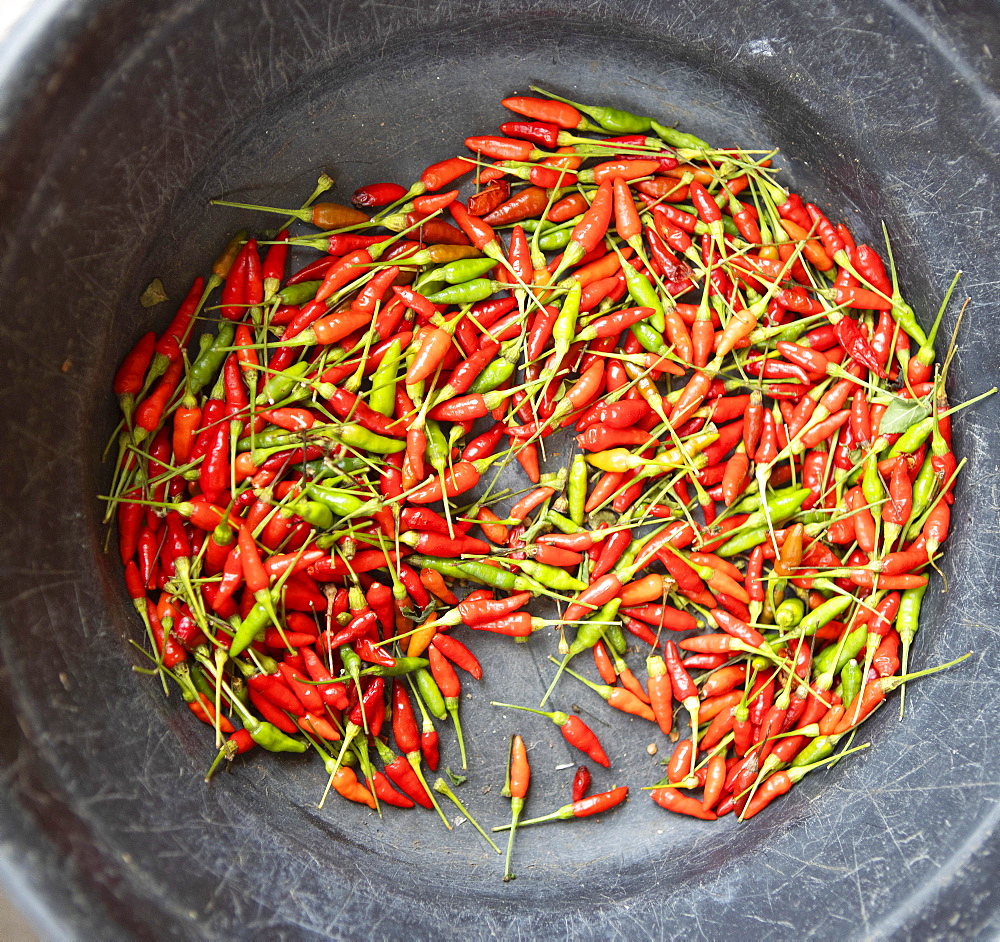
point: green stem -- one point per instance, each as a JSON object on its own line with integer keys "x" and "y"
{"x": 516, "y": 804}
{"x": 441, "y": 786}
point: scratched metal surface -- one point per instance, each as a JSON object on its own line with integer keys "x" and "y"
{"x": 116, "y": 130}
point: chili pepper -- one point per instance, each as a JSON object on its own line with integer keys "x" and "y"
{"x": 377, "y": 194}
{"x": 674, "y": 800}
{"x": 618, "y": 697}
{"x": 603, "y": 663}
{"x": 875, "y": 692}
{"x": 660, "y": 693}
{"x": 559, "y": 113}
{"x": 612, "y": 550}
{"x": 858, "y": 346}
{"x": 589, "y": 231}
{"x": 463, "y": 476}
{"x": 628, "y": 169}
{"x": 574, "y": 731}
{"x": 128, "y": 380}
{"x": 149, "y": 413}
{"x": 581, "y": 783}
{"x": 582, "y": 808}
{"x": 518, "y": 779}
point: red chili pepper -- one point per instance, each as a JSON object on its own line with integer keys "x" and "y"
{"x": 674, "y": 800}
{"x": 149, "y": 412}
{"x": 377, "y": 194}
{"x": 180, "y": 327}
{"x": 515, "y": 625}
{"x": 589, "y": 231}
{"x": 543, "y": 109}
{"x": 334, "y": 693}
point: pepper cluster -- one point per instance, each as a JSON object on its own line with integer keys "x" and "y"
{"x": 764, "y": 464}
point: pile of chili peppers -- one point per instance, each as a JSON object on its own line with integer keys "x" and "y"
{"x": 763, "y": 472}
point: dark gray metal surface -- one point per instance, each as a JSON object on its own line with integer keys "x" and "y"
{"x": 119, "y": 120}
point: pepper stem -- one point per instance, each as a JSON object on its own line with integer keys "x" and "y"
{"x": 555, "y": 680}
{"x": 441, "y": 786}
{"x": 414, "y": 759}
{"x": 558, "y": 815}
{"x": 302, "y": 214}
{"x": 228, "y": 751}
{"x": 349, "y": 735}
{"x": 516, "y": 804}
{"x": 453, "y": 712}
{"x": 891, "y": 683}
{"x": 513, "y": 706}
{"x": 323, "y": 183}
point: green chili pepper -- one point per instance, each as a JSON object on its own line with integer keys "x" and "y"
{"x": 340, "y": 502}
{"x": 651, "y": 339}
{"x": 816, "y": 751}
{"x": 403, "y": 665}
{"x": 615, "y": 637}
{"x": 465, "y": 270}
{"x": 561, "y": 523}
{"x": 211, "y": 358}
{"x": 789, "y": 613}
{"x": 830, "y": 661}
{"x": 447, "y": 567}
{"x": 913, "y": 437}
{"x": 555, "y": 240}
{"x": 314, "y": 512}
{"x": 547, "y": 225}
{"x": 924, "y": 487}
{"x": 270, "y": 438}
{"x": 676, "y": 138}
{"x": 564, "y": 329}
{"x": 908, "y": 619}
{"x": 790, "y": 332}
{"x": 551, "y": 576}
{"x": 824, "y": 613}
{"x": 850, "y": 678}
{"x": 497, "y": 578}
{"x": 645, "y": 295}
{"x": 437, "y": 446}
{"x": 466, "y": 293}
{"x": 271, "y": 738}
{"x": 198, "y": 678}
{"x": 906, "y": 317}
{"x": 577, "y": 490}
{"x": 501, "y": 369}
{"x": 781, "y": 506}
{"x": 240, "y": 690}
{"x": 428, "y": 285}
{"x": 383, "y": 394}
{"x": 617, "y": 120}
{"x": 431, "y": 694}
{"x": 355, "y": 436}
{"x": 299, "y": 294}
{"x": 730, "y": 229}
{"x": 256, "y": 621}
{"x": 280, "y": 385}
{"x": 351, "y": 661}
{"x": 349, "y": 464}
{"x": 872, "y": 487}
{"x": 743, "y": 542}
{"x": 592, "y": 630}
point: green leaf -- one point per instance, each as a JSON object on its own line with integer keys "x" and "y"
{"x": 154, "y": 294}
{"x": 901, "y": 414}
